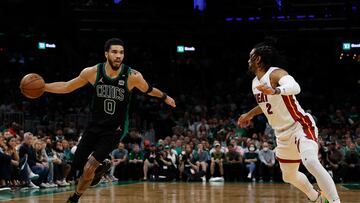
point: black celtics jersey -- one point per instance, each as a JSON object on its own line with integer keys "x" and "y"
{"x": 111, "y": 100}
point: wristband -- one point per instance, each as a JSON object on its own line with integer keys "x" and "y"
{"x": 164, "y": 96}
{"x": 277, "y": 91}
{"x": 150, "y": 89}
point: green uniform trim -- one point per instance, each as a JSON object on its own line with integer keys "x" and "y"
{"x": 126, "y": 125}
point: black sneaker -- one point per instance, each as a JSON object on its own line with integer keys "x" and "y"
{"x": 71, "y": 200}
{"x": 74, "y": 198}
{"x": 100, "y": 171}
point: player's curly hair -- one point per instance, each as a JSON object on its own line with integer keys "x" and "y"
{"x": 268, "y": 53}
{"x": 112, "y": 41}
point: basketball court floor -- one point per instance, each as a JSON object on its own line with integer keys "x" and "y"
{"x": 178, "y": 192}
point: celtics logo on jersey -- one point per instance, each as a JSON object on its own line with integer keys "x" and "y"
{"x": 111, "y": 93}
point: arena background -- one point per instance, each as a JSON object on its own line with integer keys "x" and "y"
{"x": 57, "y": 39}
{"x": 310, "y": 34}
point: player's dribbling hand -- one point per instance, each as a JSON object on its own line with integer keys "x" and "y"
{"x": 244, "y": 120}
{"x": 265, "y": 89}
{"x": 170, "y": 101}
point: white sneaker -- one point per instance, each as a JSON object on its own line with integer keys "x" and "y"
{"x": 60, "y": 183}
{"x": 113, "y": 178}
{"x": 33, "y": 186}
{"x": 65, "y": 183}
{"x": 33, "y": 176}
{"x": 44, "y": 185}
{"x": 203, "y": 178}
{"x": 52, "y": 184}
{"x": 217, "y": 179}
{"x": 104, "y": 180}
{"x": 4, "y": 189}
{"x": 249, "y": 175}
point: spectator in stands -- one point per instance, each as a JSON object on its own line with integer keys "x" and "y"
{"x": 26, "y": 150}
{"x": 336, "y": 161}
{"x": 250, "y": 160}
{"x": 61, "y": 167}
{"x": 188, "y": 169}
{"x": 136, "y": 161}
{"x": 267, "y": 163}
{"x": 352, "y": 160}
{"x": 59, "y": 135}
{"x": 150, "y": 162}
{"x": 119, "y": 159}
{"x": 202, "y": 156}
{"x": 6, "y": 162}
{"x": 236, "y": 147}
{"x": 217, "y": 160}
{"x": 179, "y": 148}
{"x": 13, "y": 169}
{"x": 14, "y": 129}
{"x": 166, "y": 164}
{"x": 41, "y": 162}
{"x": 233, "y": 164}
{"x": 171, "y": 154}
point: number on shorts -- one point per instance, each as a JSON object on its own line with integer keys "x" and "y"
{"x": 109, "y": 106}
{"x": 268, "y": 106}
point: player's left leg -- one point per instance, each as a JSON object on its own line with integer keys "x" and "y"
{"x": 291, "y": 174}
{"x": 309, "y": 156}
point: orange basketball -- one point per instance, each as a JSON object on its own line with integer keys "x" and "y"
{"x": 32, "y": 85}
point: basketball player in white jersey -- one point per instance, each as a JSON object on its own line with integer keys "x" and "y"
{"x": 296, "y": 134}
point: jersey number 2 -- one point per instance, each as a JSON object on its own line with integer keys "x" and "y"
{"x": 268, "y": 106}
{"x": 109, "y": 106}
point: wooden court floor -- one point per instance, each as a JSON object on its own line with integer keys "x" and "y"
{"x": 179, "y": 192}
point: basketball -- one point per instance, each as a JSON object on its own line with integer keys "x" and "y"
{"x": 32, "y": 85}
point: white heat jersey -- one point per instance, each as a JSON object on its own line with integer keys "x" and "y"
{"x": 282, "y": 111}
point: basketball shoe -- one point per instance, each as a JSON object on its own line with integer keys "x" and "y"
{"x": 100, "y": 172}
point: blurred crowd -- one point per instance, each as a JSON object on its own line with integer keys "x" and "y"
{"x": 197, "y": 149}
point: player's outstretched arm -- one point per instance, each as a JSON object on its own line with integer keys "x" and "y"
{"x": 244, "y": 119}
{"x": 71, "y": 85}
{"x": 138, "y": 81}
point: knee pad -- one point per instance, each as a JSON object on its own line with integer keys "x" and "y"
{"x": 310, "y": 160}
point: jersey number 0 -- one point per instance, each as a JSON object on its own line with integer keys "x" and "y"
{"x": 109, "y": 106}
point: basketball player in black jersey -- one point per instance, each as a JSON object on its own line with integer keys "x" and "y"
{"x": 113, "y": 82}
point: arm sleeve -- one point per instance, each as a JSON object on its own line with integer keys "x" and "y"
{"x": 288, "y": 86}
